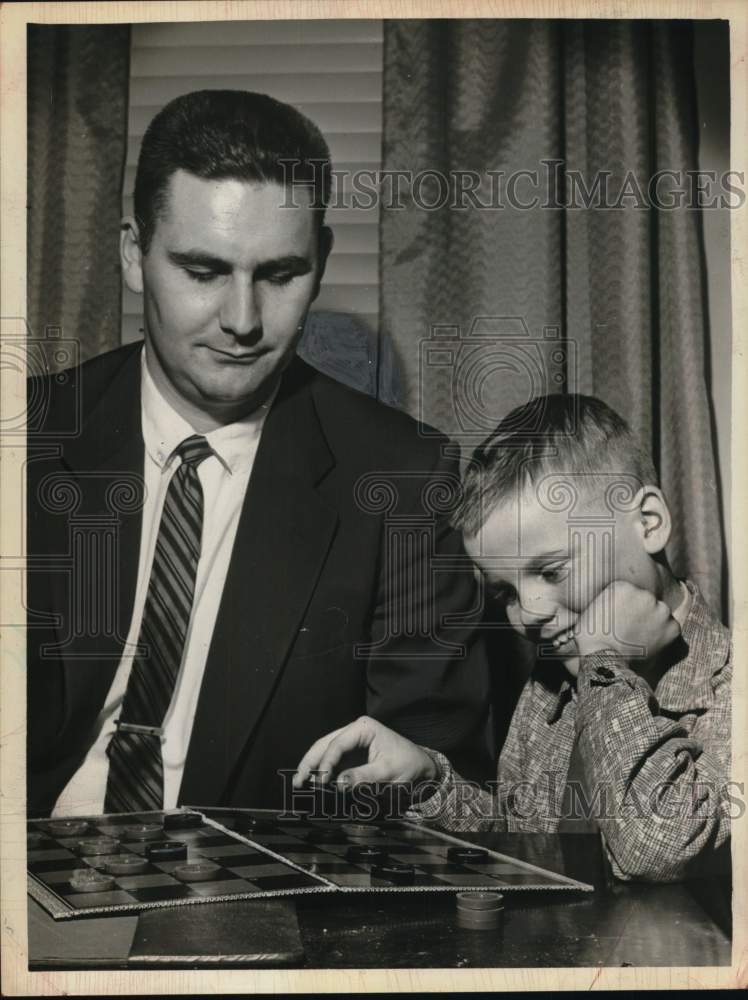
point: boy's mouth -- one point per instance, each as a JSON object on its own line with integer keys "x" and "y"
{"x": 560, "y": 639}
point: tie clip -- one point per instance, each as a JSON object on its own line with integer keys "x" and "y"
{"x": 132, "y": 727}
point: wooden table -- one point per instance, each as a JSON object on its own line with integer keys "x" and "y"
{"x": 684, "y": 924}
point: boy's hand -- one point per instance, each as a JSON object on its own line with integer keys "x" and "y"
{"x": 391, "y": 758}
{"x": 637, "y": 625}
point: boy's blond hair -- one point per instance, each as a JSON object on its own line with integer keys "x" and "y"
{"x": 565, "y": 434}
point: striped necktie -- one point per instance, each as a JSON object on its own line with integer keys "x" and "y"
{"x": 136, "y": 769}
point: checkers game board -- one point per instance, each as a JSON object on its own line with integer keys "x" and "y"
{"x": 131, "y": 862}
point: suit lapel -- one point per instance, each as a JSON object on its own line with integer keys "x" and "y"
{"x": 106, "y": 462}
{"x": 283, "y": 537}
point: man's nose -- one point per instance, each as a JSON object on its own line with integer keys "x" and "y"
{"x": 240, "y": 313}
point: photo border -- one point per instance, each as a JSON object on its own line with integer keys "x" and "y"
{"x": 16, "y": 979}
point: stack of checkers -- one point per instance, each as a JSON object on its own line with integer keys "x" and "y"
{"x": 480, "y": 911}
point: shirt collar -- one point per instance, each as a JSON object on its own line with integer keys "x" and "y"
{"x": 164, "y": 429}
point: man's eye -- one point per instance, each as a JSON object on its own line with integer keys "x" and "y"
{"x": 202, "y": 277}
{"x": 280, "y": 279}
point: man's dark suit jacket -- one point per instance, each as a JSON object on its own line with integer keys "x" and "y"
{"x": 314, "y": 572}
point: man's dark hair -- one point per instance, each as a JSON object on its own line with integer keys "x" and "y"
{"x": 222, "y": 134}
{"x": 568, "y": 434}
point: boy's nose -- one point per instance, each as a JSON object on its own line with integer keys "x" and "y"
{"x": 536, "y": 614}
{"x": 535, "y": 607}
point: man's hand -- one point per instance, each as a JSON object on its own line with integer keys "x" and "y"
{"x": 628, "y": 620}
{"x": 391, "y": 758}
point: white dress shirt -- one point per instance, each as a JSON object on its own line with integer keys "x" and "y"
{"x": 224, "y": 477}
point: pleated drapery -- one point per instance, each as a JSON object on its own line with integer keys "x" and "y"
{"x": 608, "y": 301}
{"x": 77, "y": 136}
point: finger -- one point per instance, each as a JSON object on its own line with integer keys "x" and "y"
{"x": 357, "y": 734}
{"x": 378, "y": 772}
{"x": 672, "y": 630}
{"x": 312, "y": 757}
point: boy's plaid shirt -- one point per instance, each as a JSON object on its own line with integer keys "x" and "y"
{"x": 656, "y": 764}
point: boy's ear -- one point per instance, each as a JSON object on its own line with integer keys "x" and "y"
{"x": 655, "y": 523}
{"x": 131, "y": 256}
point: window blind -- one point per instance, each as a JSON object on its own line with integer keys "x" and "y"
{"x": 330, "y": 70}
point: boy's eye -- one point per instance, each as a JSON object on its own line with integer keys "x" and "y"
{"x": 554, "y": 574}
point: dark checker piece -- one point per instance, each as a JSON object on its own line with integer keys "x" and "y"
{"x": 198, "y": 871}
{"x": 166, "y": 850}
{"x": 97, "y": 845}
{"x": 393, "y": 874}
{"x": 467, "y": 854}
{"x": 89, "y": 880}
{"x": 126, "y": 864}
{"x": 144, "y": 831}
{"x": 183, "y": 821}
{"x": 69, "y": 828}
{"x": 362, "y": 852}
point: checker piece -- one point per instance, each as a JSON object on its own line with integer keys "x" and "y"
{"x": 183, "y": 821}
{"x": 197, "y": 871}
{"x": 126, "y": 864}
{"x": 90, "y": 880}
{"x": 395, "y": 874}
{"x": 479, "y": 911}
{"x": 69, "y": 828}
{"x": 144, "y": 831}
{"x": 97, "y": 845}
{"x": 362, "y": 852}
{"x": 361, "y": 831}
{"x": 470, "y": 855}
{"x": 166, "y": 850}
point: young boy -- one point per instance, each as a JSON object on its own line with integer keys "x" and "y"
{"x": 628, "y": 706}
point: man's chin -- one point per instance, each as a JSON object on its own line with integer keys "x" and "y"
{"x": 241, "y": 399}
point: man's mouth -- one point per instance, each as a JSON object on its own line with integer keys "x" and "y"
{"x": 237, "y": 357}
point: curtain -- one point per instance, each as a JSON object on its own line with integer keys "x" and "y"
{"x": 77, "y": 137}
{"x": 530, "y": 283}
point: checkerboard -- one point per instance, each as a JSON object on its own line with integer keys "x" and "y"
{"x": 289, "y": 855}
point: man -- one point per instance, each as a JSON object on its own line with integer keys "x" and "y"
{"x": 224, "y": 555}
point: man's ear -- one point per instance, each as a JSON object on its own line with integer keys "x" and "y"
{"x": 323, "y": 252}
{"x": 131, "y": 256}
{"x": 654, "y": 521}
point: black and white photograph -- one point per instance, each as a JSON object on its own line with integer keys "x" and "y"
{"x": 371, "y": 416}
